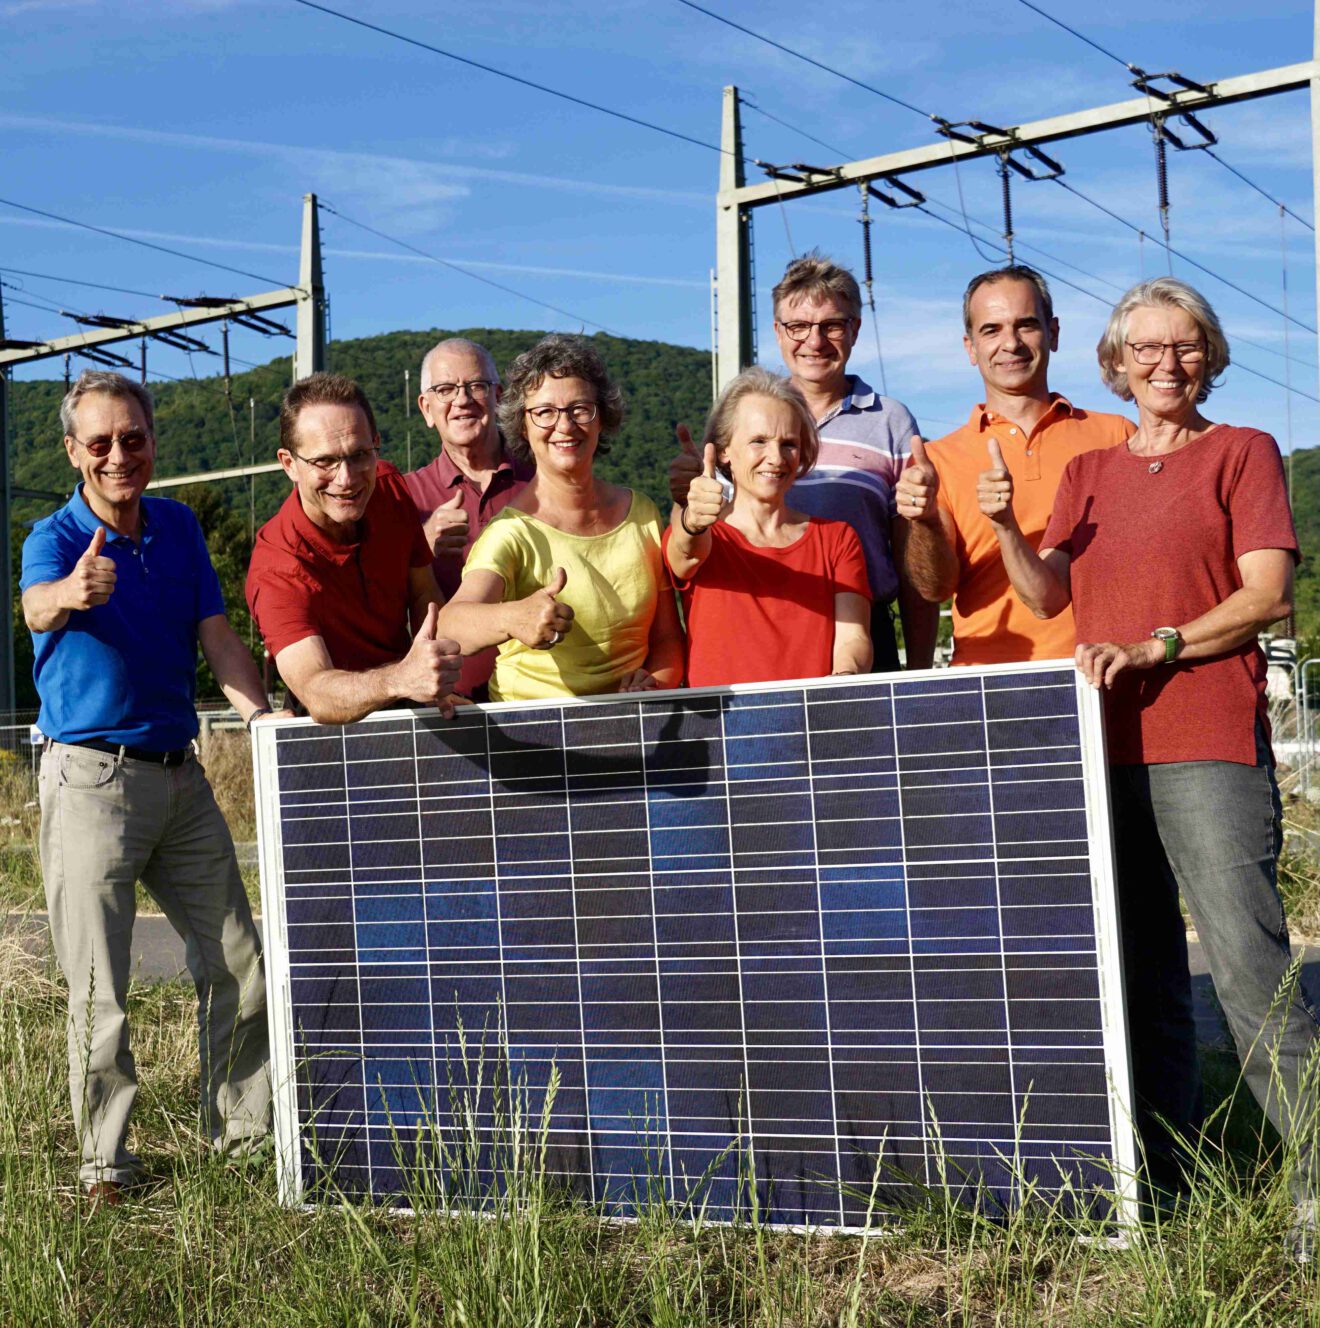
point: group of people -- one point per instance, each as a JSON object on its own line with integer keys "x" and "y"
{"x": 509, "y": 569}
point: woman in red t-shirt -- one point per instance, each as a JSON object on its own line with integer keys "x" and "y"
{"x": 1176, "y": 551}
{"x": 769, "y": 593}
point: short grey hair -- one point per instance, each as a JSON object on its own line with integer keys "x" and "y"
{"x": 458, "y": 344}
{"x": 759, "y": 382}
{"x": 1161, "y": 293}
{"x": 113, "y": 385}
{"x": 815, "y": 276}
{"x": 557, "y": 356}
{"x": 1013, "y": 272}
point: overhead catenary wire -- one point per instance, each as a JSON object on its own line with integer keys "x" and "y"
{"x": 1062, "y": 183}
{"x": 1186, "y": 258}
{"x": 458, "y": 267}
{"x": 513, "y": 78}
{"x": 798, "y": 55}
{"x": 1131, "y": 68}
{"x": 145, "y": 244}
{"x": 1081, "y": 36}
{"x": 965, "y": 229}
{"x": 1264, "y": 193}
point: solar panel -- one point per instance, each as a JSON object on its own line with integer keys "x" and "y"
{"x": 807, "y": 938}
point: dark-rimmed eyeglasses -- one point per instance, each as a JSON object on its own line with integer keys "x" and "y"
{"x": 478, "y": 389}
{"x": 327, "y": 465}
{"x": 1152, "y": 352}
{"x": 132, "y": 441}
{"x": 836, "y": 329}
{"x": 580, "y": 412}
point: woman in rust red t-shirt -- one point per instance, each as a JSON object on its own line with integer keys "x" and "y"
{"x": 768, "y": 592}
{"x": 1175, "y": 552}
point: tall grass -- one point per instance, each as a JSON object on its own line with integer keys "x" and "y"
{"x": 202, "y": 1244}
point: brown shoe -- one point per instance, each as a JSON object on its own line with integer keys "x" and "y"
{"x": 104, "y": 1194}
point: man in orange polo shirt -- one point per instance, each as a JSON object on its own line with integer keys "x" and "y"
{"x": 951, "y": 549}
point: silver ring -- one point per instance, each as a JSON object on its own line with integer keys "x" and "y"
{"x": 557, "y": 638}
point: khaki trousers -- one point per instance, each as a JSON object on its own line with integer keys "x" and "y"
{"x": 107, "y": 822}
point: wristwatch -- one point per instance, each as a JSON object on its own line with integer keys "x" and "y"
{"x": 1172, "y": 639}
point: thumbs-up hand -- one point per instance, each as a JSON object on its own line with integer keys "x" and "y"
{"x": 994, "y": 489}
{"x": 918, "y": 486}
{"x": 92, "y": 580}
{"x": 541, "y": 621}
{"x": 685, "y": 467}
{"x": 446, "y": 528}
{"x": 430, "y": 669}
{"x": 705, "y": 504}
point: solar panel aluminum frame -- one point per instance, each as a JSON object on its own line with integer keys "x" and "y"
{"x": 1100, "y": 847}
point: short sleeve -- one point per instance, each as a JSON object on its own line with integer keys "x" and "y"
{"x": 496, "y": 550}
{"x": 1059, "y": 533}
{"x": 406, "y": 513}
{"x": 901, "y": 428}
{"x": 209, "y": 599}
{"x": 848, "y": 561}
{"x": 45, "y": 557}
{"x": 1258, "y": 500}
{"x": 281, "y": 606}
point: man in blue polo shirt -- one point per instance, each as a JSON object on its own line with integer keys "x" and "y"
{"x": 118, "y": 591}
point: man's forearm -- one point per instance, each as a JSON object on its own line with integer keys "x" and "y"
{"x": 921, "y": 624}
{"x": 336, "y": 696}
{"x": 44, "y": 609}
{"x": 235, "y": 671}
{"x": 929, "y": 560}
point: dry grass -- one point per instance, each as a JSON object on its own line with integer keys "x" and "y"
{"x": 205, "y": 1246}
{"x": 227, "y": 757}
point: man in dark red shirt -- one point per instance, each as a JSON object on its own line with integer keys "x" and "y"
{"x": 340, "y": 582}
{"x": 472, "y": 477}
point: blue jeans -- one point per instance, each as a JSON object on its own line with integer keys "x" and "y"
{"x": 1212, "y": 830}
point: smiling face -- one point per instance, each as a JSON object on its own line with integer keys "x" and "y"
{"x": 764, "y": 451}
{"x": 1010, "y": 340}
{"x": 334, "y": 494}
{"x": 1168, "y": 389}
{"x": 112, "y": 484}
{"x": 463, "y": 422}
{"x": 565, "y": 446}
{"x": 818, "y": 360}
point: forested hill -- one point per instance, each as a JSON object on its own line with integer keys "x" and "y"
{"x": 199, "y": 429}
{"x": 663, "y": 384}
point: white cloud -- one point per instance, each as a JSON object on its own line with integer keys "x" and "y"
{"x": 401, "y": 193}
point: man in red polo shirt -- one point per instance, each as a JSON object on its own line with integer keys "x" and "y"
{"x": 340, "y": 582}
{"x": 472, "y": 477}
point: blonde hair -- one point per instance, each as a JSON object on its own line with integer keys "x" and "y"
{"x": 1161, "y": 293}
{"x": 759, "y": 382}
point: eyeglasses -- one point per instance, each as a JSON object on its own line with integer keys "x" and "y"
{"x": 478, "y": 389}
{"x": 836, "y": 329}
{"x": 327, "y": 465}
{"x": 580, "y": 412}
{"x": 1152, "y": 352}
{"x": 133, "y": 441}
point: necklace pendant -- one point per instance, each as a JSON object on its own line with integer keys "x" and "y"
{"x": 1155, "y": 467}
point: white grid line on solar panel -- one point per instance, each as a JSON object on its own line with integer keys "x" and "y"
{"x": 655, "y": 941}
{"x": 577, "y": 946}
{"x": 740, "y": 854}
{"x": 1088, "y": 937}
{"x": 480, "y": 787}
{"x": 573, "y": 1131}
{"x": 707, "y": 885}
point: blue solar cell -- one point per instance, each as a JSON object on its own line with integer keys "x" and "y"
{"x": 845, "y": 925}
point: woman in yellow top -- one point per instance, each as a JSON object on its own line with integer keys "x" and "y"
{"x": 567, "y": 579}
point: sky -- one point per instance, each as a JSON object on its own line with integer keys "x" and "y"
{"x": 199, "y": 124}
